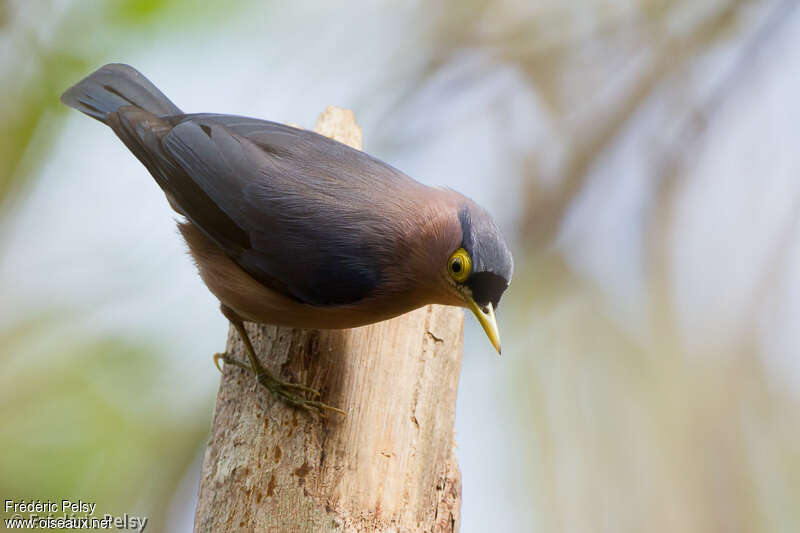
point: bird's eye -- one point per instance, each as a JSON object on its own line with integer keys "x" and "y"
{"x": 459, "y": 265}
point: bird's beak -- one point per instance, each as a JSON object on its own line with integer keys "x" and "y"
{"x": 487, "y": 320}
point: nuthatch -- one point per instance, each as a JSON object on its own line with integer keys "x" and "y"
{"x": 290, "y": 227}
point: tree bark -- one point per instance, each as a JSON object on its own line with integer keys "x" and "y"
{"x": 389, "y": 465}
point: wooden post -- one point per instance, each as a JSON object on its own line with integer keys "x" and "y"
{"x": 389, "y": 465}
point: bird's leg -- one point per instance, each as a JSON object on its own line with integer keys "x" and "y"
{"x": 283, "y": 389}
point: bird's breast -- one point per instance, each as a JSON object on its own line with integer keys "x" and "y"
{"x": 256, "y": 302}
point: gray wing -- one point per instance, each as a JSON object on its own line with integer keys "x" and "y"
{"x": 294, "y": 209}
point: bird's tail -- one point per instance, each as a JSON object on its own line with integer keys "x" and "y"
{"x": 113, "y": 86}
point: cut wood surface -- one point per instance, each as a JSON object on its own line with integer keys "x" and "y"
{"x": 389, "y": 465}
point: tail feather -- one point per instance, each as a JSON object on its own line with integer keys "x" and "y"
{"x": 113, "y": 86}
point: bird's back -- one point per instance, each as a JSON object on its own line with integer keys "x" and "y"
{"x": 299, "y": 212}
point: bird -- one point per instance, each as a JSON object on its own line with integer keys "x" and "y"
{"x": 292, "y": 228}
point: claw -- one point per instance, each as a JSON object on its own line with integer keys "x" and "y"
{"x": 282, "y": 389}
{"x": 311, "y": 406}
{"x": 329, "y": 408}
{"x": 217, "y": 357}
{"x": 270, "y": 383}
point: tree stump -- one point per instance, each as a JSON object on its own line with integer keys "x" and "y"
{"x": 389, "y": 465}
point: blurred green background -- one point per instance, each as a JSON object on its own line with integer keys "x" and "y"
{"x": 641, "y": 155}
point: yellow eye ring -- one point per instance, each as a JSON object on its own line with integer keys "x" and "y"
{"x": 459, "y": 265}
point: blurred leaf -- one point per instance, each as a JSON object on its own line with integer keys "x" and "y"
{"x": 33, "y": 99}
{"x": 39, "y": 69}
{"x": 85, "y": 421}
{"x": 141, "y": 13}
{"x": 138, "y": 10}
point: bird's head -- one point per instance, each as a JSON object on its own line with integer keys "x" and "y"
{"x": 479, "y": 269}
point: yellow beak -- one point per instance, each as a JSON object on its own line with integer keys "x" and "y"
{"x": 487, "y": 320}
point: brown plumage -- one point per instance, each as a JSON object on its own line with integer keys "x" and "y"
{"x": 255, "y": 302}
{"x": 290, "y": 227}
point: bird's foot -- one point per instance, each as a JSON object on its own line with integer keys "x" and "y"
{"x": 286, "y": 391}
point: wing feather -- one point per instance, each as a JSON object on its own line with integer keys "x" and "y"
{"x": 310, "y": 208}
